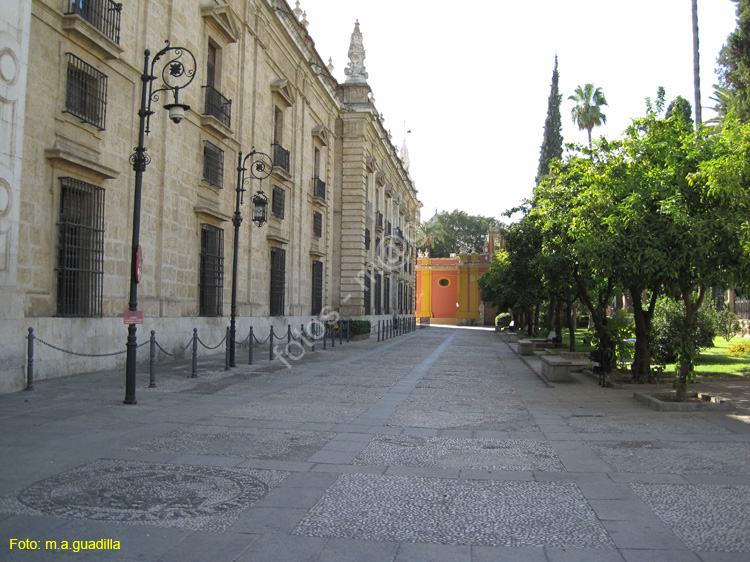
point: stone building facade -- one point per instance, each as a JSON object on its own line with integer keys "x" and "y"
{"x": 342, "y": 209}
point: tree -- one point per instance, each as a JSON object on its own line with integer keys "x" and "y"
{"x": 587, "y": 113}
{"x": 696, "y": 63}
{"x": 734, "y": 65}
{"x": 552, "y": 144}
{"x": 461, "y": 232}
{"x": 429, "y": 233}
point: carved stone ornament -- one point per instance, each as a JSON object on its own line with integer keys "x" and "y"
{"x": 356, "y": 69}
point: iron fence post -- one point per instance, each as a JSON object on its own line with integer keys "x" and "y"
{"x": 288, "y": 334}
{"x": 226, "y": 350}
{"x": 152, "y": 361}
{"x": 30, "y": 361}
{"x": 195, "y": 354}
{"x": 270, "y": 345}
{"x": 251, "y": 337}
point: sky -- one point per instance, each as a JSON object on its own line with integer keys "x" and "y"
{"x": 467, "y": 89}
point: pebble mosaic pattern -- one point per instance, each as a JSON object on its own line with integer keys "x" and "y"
{"x": 167, "y": 495}
{"x": 486, "y": 513}
{"x": 246, "y": 443}
{"x": 674, "y": 458}
{"x": 704, "y": 517}
{"x": 284, "y": 410}
{"x": 683, "y": 423}
{"x": 477, "y": 454}
{"x": 441, "y": 419}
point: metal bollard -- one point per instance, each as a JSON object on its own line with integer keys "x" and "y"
{"x": 270, "y": 345}
{"x": 348, "y": 330}
{"x": 152, "y": 361}
{"x": 378, "y": 330}
{"x": 288, "y": 334}
{"x": 30, "y": 361}
{"x": 251, "y": 339}
{"x": 195, "y": 354}
{"x": 226, "y": 351}
{"x": 341, "y": 334}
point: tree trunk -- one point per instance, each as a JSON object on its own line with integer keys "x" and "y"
{"x": 696, "y": 65}
{"x": 641, "y": 368}
{"x": 571, "y": 325}
{"x": 686, "y": 357}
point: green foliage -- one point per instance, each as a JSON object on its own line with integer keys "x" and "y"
{"x": 619, "y": 329}
{"x": 454, "y": 233}
{"x": 587, "y": 113}
{"x": 740, "y": 348}
{"x": 503, "y": 319}
{"x": 359, "y": 327}
{"x": 669, "y": 331}
{"x": 552, "y": 145}
{"x": 727, "y": 323}
{"x": 734, "y": 66}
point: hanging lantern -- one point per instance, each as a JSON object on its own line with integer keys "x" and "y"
{"x": 260, "y": 207}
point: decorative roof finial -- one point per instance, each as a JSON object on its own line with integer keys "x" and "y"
{"x": 297, "y": 11}
{"x": 356, "y": 70}
{"x": 405, "y": 155}
{"x": 330, "y": 65}
{"x": 304, "y": 19}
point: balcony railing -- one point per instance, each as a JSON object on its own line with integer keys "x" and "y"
{"x": 280, "y": 157}
{"x": 218, "y": 106}
{"x": 379, "y": 220}
{"x": 104, "y": 15}
{"x": 319, "y": 188}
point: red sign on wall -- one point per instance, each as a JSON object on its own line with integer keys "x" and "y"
{"x": 132, "y": 317}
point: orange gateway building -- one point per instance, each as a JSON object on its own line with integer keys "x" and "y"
{"x": 448, "y": 288}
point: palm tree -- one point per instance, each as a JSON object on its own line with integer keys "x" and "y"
{"x": 587, "y": 112}
{"x": 428, "y": 234}
{"x": 696, "y": 65}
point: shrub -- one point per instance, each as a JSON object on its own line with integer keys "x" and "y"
{"x": 727, "y": 323}
{"x": 503, "y": 319}
{"x": 359, "y": 327}
{"x": 740, "y": 348}
{"x": 667, "y": 326}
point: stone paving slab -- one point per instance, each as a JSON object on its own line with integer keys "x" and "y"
{"x": 442, "y": 444}
{"x": 459, "y": 512}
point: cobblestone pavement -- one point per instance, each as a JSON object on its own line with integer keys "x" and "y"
{"x": 439, "y": 445}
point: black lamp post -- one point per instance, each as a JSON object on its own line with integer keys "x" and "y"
{"x": 260, "y": 168}
{"x": 176, "y": 71}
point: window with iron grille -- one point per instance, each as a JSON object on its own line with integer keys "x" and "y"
{"x": 86, "y": 92}
{"x": 278, "y": 281}
{"x": 317, "y": 287}
{"x": 80, "y": 249}
{"x": 211, "y": 271}
{"x": 387, "y": 295}
{"x": 400, "y": 298}
{"x": 367, "y": 238}
{"x": 213, "y": 164}
{"x": 277, "y": 202}
{"x": 104, "y": 15}
{"x": 368, "y": 291}
{"x": 317, "y": 224}
{"x": 378, "y": 291}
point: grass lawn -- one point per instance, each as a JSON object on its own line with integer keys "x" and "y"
{"x": 711, "y": 362}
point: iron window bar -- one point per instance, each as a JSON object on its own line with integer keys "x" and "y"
{"x": 80, "y": 255}
{"x": 317, "y": 224}
{"x": 280, "y": 157}
{"x": 217, "y": 106}
{"x": 104, "y": 15}
{"x": 378, "y": 220}
{"x": 367, "y": 238}
{"x": 211, "y": 271}
{"x": 213, "y": 164}
{"x": 319, "y": 188}
{"x": 317, "y": 288}
{"x": 278, "y": 281}
{"x": 86, "y": 92}
{"x": 277, "y": 202}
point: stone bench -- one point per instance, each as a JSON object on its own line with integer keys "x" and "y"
{"x": 556, "y": 368}
{"x": 526, "y": 347}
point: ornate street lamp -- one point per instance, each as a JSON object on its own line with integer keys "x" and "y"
{"x": 260, "y": 168}
{"x": 176, "y": 70}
